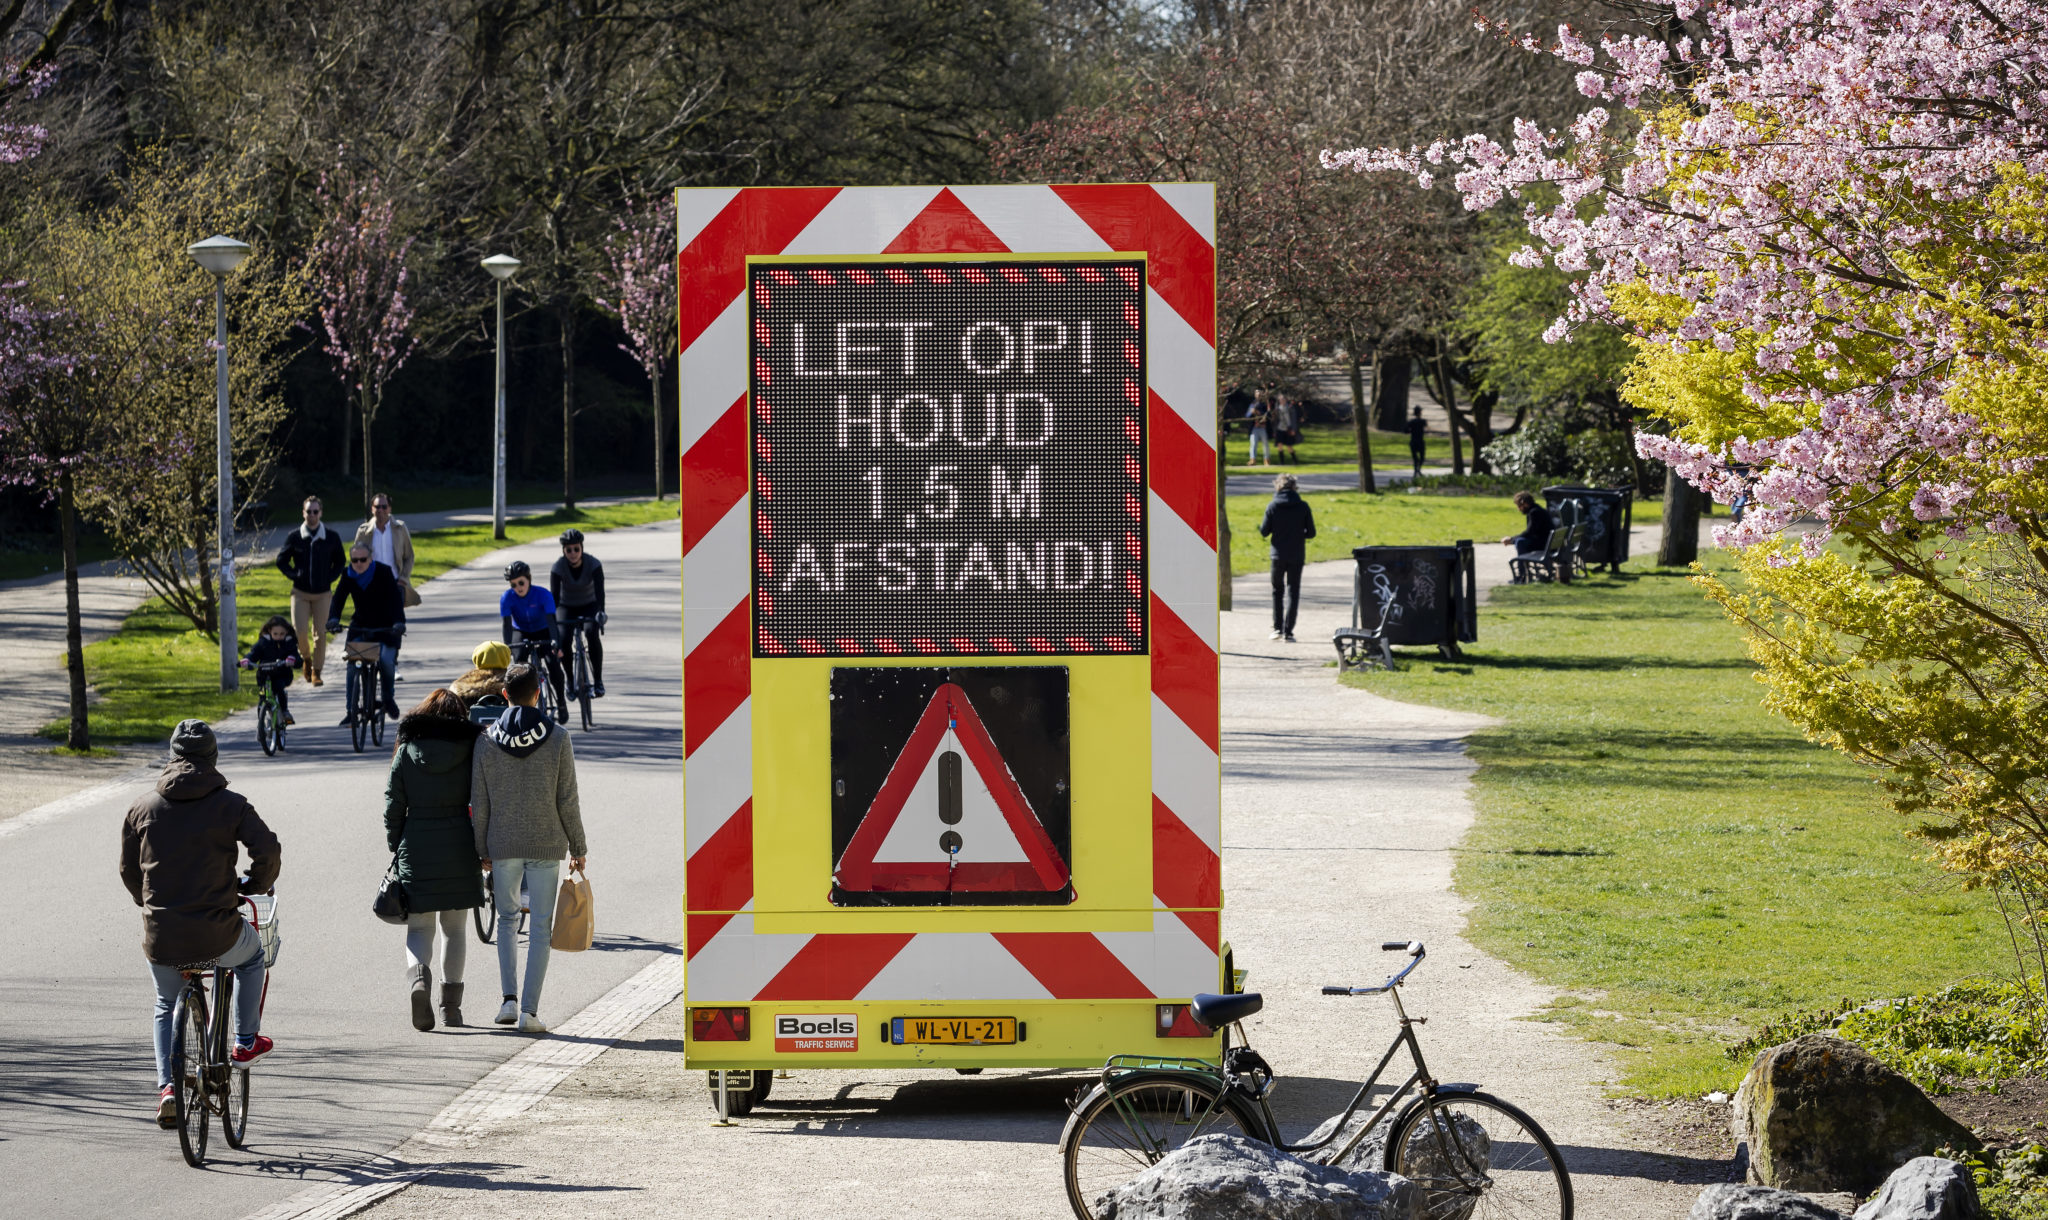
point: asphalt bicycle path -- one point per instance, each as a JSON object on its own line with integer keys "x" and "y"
{"x": 351, "y": 1077}
{"x": 32, "y": 657}
{"x": 1342, "y": 813}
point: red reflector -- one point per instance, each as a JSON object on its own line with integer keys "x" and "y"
{"x": 718, "y": 1025}
{"x": 1175, "y": 1021}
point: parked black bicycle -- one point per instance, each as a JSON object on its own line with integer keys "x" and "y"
{"x": 1473, "y": 1155}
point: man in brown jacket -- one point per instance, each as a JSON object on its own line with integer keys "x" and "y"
{"x": 178, "y": 856}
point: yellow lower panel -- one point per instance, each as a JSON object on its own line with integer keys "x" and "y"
{"x": 1056, "y": 1033}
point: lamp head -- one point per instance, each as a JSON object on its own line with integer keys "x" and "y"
{"x": 220, "y": 255}
{"x": 501, "y": 266}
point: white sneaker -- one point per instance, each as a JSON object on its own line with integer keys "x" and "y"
{"x": 530, "y": 1024}
{"x": 1274, "y": 636}
{"x": 508, "y": 1013}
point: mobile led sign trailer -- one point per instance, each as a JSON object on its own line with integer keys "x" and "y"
{"x": 949, "y": 622}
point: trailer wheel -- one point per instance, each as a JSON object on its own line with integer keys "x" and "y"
{"x": 968, "y": 1071}
{"x": 740, "y": 1104}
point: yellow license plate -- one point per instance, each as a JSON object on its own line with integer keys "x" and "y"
{"x": 953, "y": 1031}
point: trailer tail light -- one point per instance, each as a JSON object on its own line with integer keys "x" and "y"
{"x": 719, "y": 1025}
{"x": 1175, "y": 1021}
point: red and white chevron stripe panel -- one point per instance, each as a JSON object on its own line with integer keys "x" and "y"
{"x": 1172, "y": 224}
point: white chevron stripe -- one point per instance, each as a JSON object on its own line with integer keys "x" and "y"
{"x": 713, "y": 372}
{"x": 861, "y": 220}
{"x": 1196, "y": 203}
{"x": 696, "y": 207}
{"x": 954, "y": 966}
{"x": 719, "y": 777}
{"x": 1180, "y": 366}
{"x": 1170, "y": 960}
{"x": 1030, "y": 219}
{"x": 1187, "y": 775}
{"x": 715, "y": 574}
{"x": 1183, "y": 569}
{"x": 739, "y": 962}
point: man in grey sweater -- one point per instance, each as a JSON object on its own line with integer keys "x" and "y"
{"x": 522, "y": 801}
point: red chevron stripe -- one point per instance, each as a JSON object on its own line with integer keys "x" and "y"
{"x": 1183, "y": 470}
{"x": 834, "y": 966}
{"x": 1206, "y": 925}
{"x": 1184, "y": 673}
{"x": 716, "y": 678}
{"x": 946, "y": 226}
{"x": 1182, "y": 264}
{"x": 699, "y": 929}
{"x": 1185, "y": 873}
{"x": 712, "y": 270}
{"x": 719, "y": 875}
{"x": 1073, "y": 965}
{"x": 714, "y": 474}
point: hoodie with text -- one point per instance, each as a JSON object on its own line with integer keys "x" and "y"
{"x": 522, "y": 790}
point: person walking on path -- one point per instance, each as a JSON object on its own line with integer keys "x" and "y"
{"x": 523, "y": 806}
{"x": 426, "y": 825}
{"x": 311, "y": 558}
{"x": 1288, "y": 525}
{"x": 1417, "y": 445}
{"x": 1261, "y": 415}
{"x": 178, "y": 856}
{"x": 390, "y": 544}
{"x": 379, "y": 616}
{"x": 1286, "y": 428}
{"x": 1536, "y": 525}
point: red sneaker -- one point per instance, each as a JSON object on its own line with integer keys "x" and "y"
{"x": 167, "y": 1108}
{"x": 246, "y": 1055}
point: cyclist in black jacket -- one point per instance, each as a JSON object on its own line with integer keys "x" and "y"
{"x": 577, "y": 583}
{"x": 379, "y": 616}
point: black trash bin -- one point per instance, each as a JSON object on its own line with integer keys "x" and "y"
{"x": 1434, "y": 591}
{"x": 1608, "y": 513}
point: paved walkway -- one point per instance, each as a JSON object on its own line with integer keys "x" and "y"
{"x": 1342, "y": 814}
{"x": 32, "y": 655}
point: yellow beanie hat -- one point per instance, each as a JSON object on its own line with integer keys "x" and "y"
{"x": 491, "y": 654}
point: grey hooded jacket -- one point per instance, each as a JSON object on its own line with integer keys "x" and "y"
{"x": 522, "y": 790}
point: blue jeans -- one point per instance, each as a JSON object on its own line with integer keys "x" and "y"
{"x": 1259, "y": 442}
{"x": 542, "y": 877}
{"x": 246, "y": 960}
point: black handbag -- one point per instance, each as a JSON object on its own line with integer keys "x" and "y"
{"x": 390, "y": 905}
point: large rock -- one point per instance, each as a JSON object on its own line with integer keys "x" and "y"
{"x": 1926, "y": 1188}
{"x": 1426, "y": 1158}
{"x": 1229, "y": 1177}
{"x": 1726, "y": 1201}
{"x": 1821, "y": 1114}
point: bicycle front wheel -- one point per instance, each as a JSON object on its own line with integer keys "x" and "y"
{"x": 583, "y": 683}
{"x": 1478, "y": 1158}
{"x": 234, "y": 1115}
{"x": 266, "y": 720}
{"x": 230, "y": 1084}
{"x": 1120, "y": 1131}
{"x": 377, "y": 725}
{"x": 360, "y": 694}
{"x": 189, "y": 1069}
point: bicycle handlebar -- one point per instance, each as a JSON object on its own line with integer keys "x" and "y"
{"x": 1415, "y": 952}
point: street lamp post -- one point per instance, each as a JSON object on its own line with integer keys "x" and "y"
{"x": 501, "y": 267}
{"x": 220, "y": 256}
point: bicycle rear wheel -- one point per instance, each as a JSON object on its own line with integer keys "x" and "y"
{"x": 1119, "y": 1132}
{"x": 1478, "y": 1158}
{"x": 188, "y": 1071}
{"x": 266, "y": 721}
{"x": 486, "y": 916}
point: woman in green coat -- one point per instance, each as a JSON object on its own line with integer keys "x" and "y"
{"x": 426, "y": 823}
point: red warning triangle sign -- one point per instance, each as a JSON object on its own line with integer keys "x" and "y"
{"x": 938, "y": 826}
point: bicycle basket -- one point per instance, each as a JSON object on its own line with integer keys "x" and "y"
{"x": 364, "y": 650}
{"x": 262, "y": 912}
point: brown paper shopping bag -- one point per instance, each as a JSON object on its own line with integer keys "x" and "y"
{"x": 575, "y": 916}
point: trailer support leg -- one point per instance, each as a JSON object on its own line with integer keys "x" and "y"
{"x": 724, "y": 1107}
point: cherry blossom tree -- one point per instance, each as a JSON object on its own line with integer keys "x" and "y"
{"x": 360, "y": 272}
{"x": 639, "y": 274}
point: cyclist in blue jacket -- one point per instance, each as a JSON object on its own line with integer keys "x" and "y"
{"x": 528, "y": 613}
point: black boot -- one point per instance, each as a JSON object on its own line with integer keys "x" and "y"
{"x": 422, "y": 997}
{"x": 451, "y": 1004}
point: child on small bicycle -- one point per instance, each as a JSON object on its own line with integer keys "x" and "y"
{"x": 276, "y": 645}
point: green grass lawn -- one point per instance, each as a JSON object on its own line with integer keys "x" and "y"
{"x": 1651, "y": 840}
{"x": 1347, "y": 519}
{"x": 157, "y": 670}
{"x": 344, "y": 495}
{"x": 1331, "y": 447}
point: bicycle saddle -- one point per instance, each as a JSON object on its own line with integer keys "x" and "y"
{"x": 1216, "y": 1011}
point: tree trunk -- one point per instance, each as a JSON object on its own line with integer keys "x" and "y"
{"x": 369, "y": 417}
{"x": 660, "y": 456}
{"x": 1681, "y": 543}
{"x": 1390, "y": 402}
{"x": 1361, "y": 418}
{"x": 1450, "y": 397}
{"x": 567, "y": 320}
{"x": 348, "y": 436}
{"x": 203, "y": 556}
{"x": 1222, "y": 508}
{"x": 76, "y": 737}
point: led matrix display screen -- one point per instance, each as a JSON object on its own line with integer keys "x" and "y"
{"x": 948, "y": 457}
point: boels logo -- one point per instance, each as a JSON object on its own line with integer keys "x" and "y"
{"x": 816, "y": 1032}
